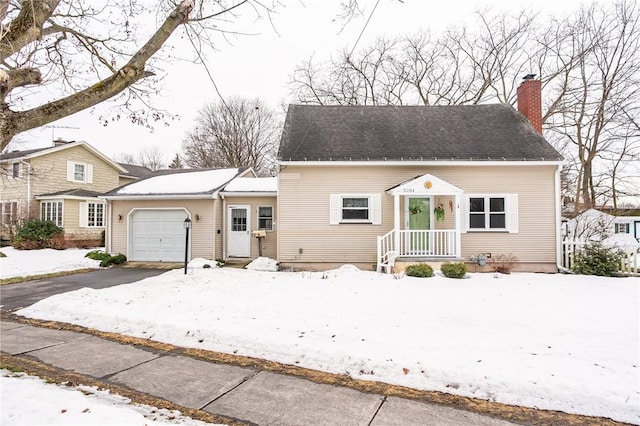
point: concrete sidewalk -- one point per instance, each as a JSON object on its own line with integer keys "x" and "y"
{"x": 238, "y": 393}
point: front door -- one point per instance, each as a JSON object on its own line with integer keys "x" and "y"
{"x": 418, "y": 219}
{"x": 239, "y": 235}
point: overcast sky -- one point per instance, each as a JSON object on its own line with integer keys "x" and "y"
{"x": 260, "y": 65}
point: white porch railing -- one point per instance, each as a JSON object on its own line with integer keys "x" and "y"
{"x": 415, "y": 243}
{"x": 630, "y": 263}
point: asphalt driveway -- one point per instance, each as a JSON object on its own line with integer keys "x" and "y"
{"x": 20, "y": 295}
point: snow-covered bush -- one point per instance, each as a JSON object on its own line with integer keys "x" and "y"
{"x": 597, "y": 259}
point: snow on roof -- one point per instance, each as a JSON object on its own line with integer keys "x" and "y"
{"x": 187, "y": 182}
{"x": 243, "y": 184}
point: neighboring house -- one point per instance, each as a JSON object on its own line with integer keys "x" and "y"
{"x": 597, "y": 225}
{"x": 365, "y": 185}
{"x": 134, "y": 172}
{"x": 60, "y": 183}
{"x": 146, "y": 218}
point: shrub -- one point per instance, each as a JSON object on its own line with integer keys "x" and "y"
{"x": 503, "y": 263}
{"x": 596, "y": 259}
{"x": 36, "y": 234}
{"x": 105, "y": 258}
{"x": 421, "y": 270}
{"x": 97, "y": 255}
{"x": 454, "y": 270}
{"x": 206, "y": 266}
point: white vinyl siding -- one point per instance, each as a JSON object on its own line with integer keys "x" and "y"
{"x": 79, "y": 172}
{"x": 52, "y": 211}
{"x": 355, "y": 208}
{"x": 490, "y": 213}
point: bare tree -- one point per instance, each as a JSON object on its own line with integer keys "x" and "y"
{"x": 88, "y": 52}
{"x": 588, "y": 63}
{"x": 236, "y": 133}
{"x": 150, "y": 157}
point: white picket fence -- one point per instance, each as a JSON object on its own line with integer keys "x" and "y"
{"x": 629, "y": 265}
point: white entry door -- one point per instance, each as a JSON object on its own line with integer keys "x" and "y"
{"x": 239, "y": 232}
{"x": 636, "y": 231}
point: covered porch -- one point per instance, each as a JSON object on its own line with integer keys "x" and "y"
{"x": 427, "y": 223}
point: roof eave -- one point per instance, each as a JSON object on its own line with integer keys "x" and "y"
{"x": 160, "y": 197}
{"x": 250, "y": 193}
{"x": 453, "y": 162}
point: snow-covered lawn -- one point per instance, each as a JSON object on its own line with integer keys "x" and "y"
{"x": 22, "y": 263}
{"x": 561, "y": 342}
{"x": 27, "y": 400}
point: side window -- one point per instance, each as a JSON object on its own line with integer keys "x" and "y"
{"x": 355, "y": 208}
{"x": 492, "y": 213}
{"x": 621, "y": 228}
{"x": 265, "y": 218}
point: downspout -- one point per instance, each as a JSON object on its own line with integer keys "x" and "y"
{"x": 558, "y": 224}
{"x": 107, "y": 235}
{"x": 223, "y": 230}
{"x": 28, "y": 188}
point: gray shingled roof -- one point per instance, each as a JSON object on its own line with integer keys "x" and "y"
{"x": 135, "y": 170}
{"x": 410, "y": 133}
{"x": 19, "y": 154}
{"x": 73, "y": 192}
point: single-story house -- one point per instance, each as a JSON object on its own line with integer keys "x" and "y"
{"x": 368, "y": 185}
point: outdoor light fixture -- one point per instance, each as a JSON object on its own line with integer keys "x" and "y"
{"x": 119, "y": 218}
{"x": 187, "y": 226}
{"x": 197, "y": 217}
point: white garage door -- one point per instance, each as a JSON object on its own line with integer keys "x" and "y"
{"x": 157, "y": 235}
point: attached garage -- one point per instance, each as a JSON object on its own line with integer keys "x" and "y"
{"x": 157, "y": 235}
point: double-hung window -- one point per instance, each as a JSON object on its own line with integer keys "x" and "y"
{"x": 355, "y": 208}
{"x": 492, "y": 213}
{"x": 51, "y": 211}
{"x": 15, "y": 171}
{"x": 265, "y": 218}
{"x": 79, "y": 172}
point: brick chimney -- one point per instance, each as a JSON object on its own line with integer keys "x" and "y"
{"x": 530, "y": 100}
